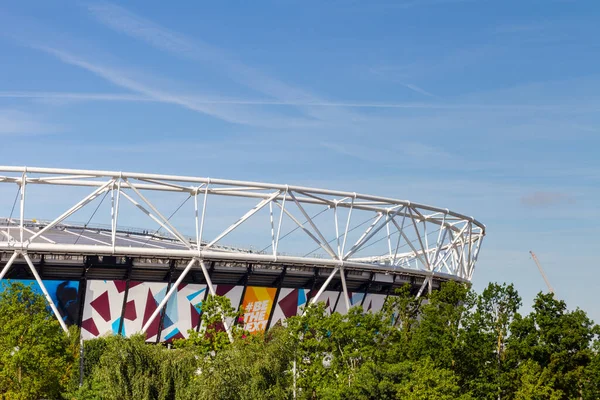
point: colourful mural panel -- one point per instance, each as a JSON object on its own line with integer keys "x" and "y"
{"x": 257, "y": 305}
{"x": 102, "y": 308}
{"x": 370, "y": 302}
{"x": 291, "y": 302}
{"x": 374, "y": 302}
{"x": 330, "y": 299}
{"x": 143, "y": 299}
{"x": 105, "y": 301}
{"x": 64, "y": 294}
{"x": 183, "y": 311}
{"x": 234, "y": 294}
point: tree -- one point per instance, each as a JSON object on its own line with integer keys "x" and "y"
{"x": 438, "y": 332}
{"x": 254, "y": 367}
{"x": 425, "y": 381}
{"x": 130, "y": 368}
{"x": 591, "y": 376}
{"x": 557, "y": 340}
{"x": 535, "y": 383}
{"x": 213, "y": 336}
{"x": 482, "y": 365}
{"x": 451, "y": 345}
{"x": 37, "y": 359}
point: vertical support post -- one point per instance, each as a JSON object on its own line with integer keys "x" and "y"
{"x": 83, "y": 289}
{"x": 206, "y": 294}
{"x": 430, "y": 287}
{"x": 169, "y": 294}
{"x": 337, "y": 229}
{"x": 345, "y": 288}
{"x": 211, "y": 288}
{"x": 426, "y": 249}
{"x": 312, "y": 283}
{"x": 367, "y": 288}
{"x": 212, "y": 292}
{"x": 22, "y": 210}
{"x": 400, "y": 231}
{"x": 278, "y": 283}
{"x": 43, "y": 287}
{"x": 196, "y": 220}
{"x": 389, "y": 240}
{"x": 125, "y": 295}
{"x": 347, "y": 225}
{"x": 115, "y": 212}
{"x": 440, "y": 242}
{"x": 272, "y": 229}
{"x": 81, "y": 360}
{"x": 203, "y": 213}
{"x": 337, "y": 301}
{"x": 276, "y": 249}
{"x": 294, "y": 373}
{"x": 112, "y": 213}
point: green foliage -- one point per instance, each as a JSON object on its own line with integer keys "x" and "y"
{"x": 437, "y": 334}
{"x": 591, "y": 376}
{"x": 558, "y": 341}
{"x": 454, "y": 344}
{"x": 36, "y": 356}
{"x": 129, "y": 368}
{"x": 482, "y": 365}
{"x": 425, "y": 381}
{"x": 535, "y": 383}
{"x": 255, "y": 367}
{"x": 213, "y": 337}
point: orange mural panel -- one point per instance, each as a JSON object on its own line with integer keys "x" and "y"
{"x": 258, "y": 302}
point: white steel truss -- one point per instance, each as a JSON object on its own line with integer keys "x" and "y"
{"x": 416, "y": 238}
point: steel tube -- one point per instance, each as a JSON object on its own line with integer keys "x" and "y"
{"x": 46, "y": 295}
{"x": 226, "y": 182}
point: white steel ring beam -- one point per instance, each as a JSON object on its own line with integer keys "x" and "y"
{"x": 451, "y": 256}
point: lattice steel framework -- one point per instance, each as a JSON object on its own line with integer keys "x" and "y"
{"x": 439, "y": 242}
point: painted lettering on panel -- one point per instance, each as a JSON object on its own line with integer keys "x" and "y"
{"x": 257, "y": 305}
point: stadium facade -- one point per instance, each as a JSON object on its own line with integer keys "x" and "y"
{"x": 295, "y": 246}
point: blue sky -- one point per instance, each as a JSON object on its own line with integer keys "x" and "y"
{"x": 490, "y": 108}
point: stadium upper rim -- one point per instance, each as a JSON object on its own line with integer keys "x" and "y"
{"x": 451, "y": 254}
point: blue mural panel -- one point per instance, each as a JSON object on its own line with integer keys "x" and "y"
{"x": 64, "y": 294}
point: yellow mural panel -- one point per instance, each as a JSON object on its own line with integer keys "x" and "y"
{"x": 257, "y": 304}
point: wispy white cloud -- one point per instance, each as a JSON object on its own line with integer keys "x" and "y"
{"x": 131, "y": 97}
{"x": 127, "y": 97}
{"x": 151, "y": 92}
{"x": 418, "y": 89}
{"x": 15, "y": 122}
{"x": 126, "y": 22}
{"x": 400, "y": 75}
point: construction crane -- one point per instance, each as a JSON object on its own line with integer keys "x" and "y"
{"x": 537, "y": 262}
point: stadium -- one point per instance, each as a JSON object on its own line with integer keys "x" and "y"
{"x": 270, "y": 248}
